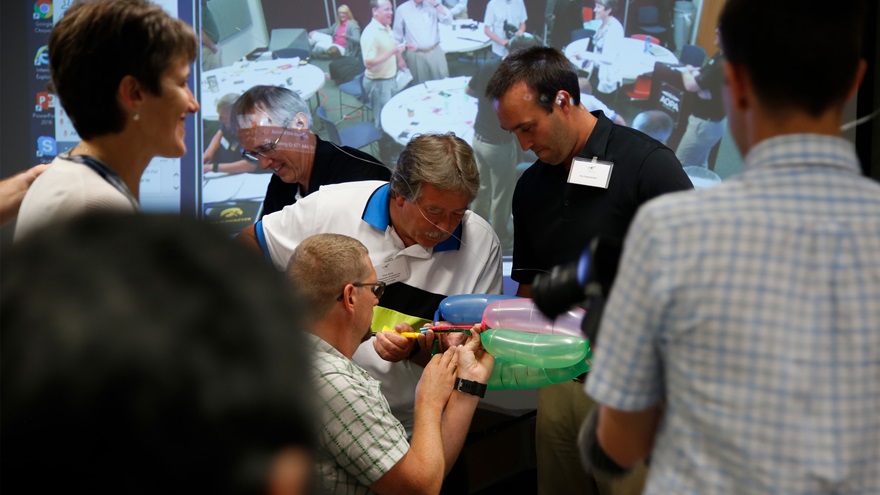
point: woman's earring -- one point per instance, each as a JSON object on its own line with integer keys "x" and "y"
{"x": 137, "y": 117}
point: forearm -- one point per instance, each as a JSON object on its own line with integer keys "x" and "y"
{"x": 207, "y": 41}
{"x": 456, "y": 424}
{"x": 494, "y": 37}
{"x": 443, "y": 14}
{"x": 690, "y": 82}
{"x": 426, "y": 438}
{"x": 369, "y": 64}
{"x": 475, "y": 364}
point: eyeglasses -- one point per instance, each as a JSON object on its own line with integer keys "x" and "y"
{"x": 254, "y": 156}
{"x": 378, "y": 288}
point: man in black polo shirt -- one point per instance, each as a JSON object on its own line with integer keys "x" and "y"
{"x": 707, "y": 122}
{"x": 300, "y": 161}
{"x": 589, "y": 180}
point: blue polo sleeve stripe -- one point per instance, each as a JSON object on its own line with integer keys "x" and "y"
{"x": 261, "y": 240}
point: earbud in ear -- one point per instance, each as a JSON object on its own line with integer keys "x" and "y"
{"x": 559, "y": 101}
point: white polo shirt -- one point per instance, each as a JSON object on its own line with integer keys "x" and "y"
{"x": 469, "y": 262}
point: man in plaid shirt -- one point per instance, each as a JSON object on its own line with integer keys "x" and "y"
{"x": 363, "y": 447}
{"x": 740, "y": 347}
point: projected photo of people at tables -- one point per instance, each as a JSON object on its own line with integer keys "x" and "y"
{"x": 626, "y": 67}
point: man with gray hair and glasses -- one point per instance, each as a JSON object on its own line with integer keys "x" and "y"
{"x": 274, "y": 127}
{"x": 424, "y": 244}
{"x": 362, "y": 446}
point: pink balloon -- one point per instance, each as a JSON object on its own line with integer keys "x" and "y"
{"x": 521, "y": 314}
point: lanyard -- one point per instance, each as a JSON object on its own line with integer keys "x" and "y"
{"x": 106, "y": 173}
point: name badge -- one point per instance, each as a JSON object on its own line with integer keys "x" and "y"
{"x": 393, "y": 270}
{"x": 224, "y": 142}
{"x": 593, "y": 173}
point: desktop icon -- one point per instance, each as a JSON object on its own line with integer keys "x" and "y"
{"x": 45, "y": 101}
{"x": 46, "y": 146}
{"x": 43, "y": 9}
{"x": 42, "y": 57}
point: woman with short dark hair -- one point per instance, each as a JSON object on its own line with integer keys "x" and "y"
{"x": 120, "y": 70}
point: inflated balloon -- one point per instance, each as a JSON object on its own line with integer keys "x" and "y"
{"x": 466, "y": 308}
{"x": 535, "y": 349}
{"x": 507, "y": 375}
{"x": 530, "y": 350}
{"x": 522, "y": 314}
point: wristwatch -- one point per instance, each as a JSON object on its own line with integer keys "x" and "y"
{"x": 470, "y": 387}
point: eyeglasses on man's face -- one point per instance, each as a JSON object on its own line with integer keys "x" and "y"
{"x": 377, "y": 288}
{"x": 254, "y": 155}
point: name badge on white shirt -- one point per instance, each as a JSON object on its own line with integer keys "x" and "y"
{"x": 593, "y": 173}
{"x": 393, "y": 270}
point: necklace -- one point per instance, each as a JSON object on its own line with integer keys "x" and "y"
{"x": 85, "y": 149}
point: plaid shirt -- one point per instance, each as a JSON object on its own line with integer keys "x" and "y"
{"x": 360, "y": 438}
{"x": 753, "y": 310}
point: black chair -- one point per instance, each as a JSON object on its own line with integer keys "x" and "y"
{"x": 291, "y": 53}
{"x": 648, "y": 19}
{"x": 692, "y": 55}
{"x": 357, "y": 136}
{"x": 354, "y": 88}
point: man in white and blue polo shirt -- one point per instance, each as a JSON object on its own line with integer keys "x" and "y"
{"x": 423, "y": 241}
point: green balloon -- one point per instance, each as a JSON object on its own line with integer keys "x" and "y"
{"x": 507, "y": 375}
{"x": 535, "y": 349}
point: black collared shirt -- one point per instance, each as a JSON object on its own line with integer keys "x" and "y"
{"x": 554, "y": 220}
{"x": 333, "y": 165}
{"x": 711, "y": 78}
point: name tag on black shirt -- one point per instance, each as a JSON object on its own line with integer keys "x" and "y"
{"x": 593, "y": 173}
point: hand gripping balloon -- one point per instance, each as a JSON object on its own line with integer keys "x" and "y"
{"x": 530, "y": 350}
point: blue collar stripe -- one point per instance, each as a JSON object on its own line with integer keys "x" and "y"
{"x": 376, "y": 213}
{"x": 451, "y": 244}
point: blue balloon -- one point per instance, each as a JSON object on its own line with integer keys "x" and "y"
{"x": 466, "y": 308}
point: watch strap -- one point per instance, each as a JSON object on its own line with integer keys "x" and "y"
{"x": 470, "y": 387}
